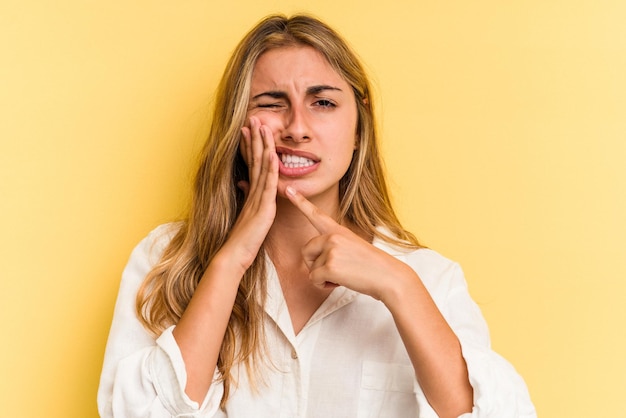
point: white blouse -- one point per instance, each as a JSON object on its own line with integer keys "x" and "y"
{"x": 348, "y": 360}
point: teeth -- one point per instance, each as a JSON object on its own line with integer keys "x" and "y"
{"x": 294, "y": 161}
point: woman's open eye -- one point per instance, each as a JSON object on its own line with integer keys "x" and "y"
{"x": 324, "y": 103}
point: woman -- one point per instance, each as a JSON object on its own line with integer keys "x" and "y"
{"x": 292, "y": 289}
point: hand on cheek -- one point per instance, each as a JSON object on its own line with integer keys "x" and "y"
{"x": 259, "y": 210}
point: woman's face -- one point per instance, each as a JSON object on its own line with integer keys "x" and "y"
{"x": 311, "y": 111}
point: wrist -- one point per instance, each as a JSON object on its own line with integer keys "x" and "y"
{"x": 228, "y": 263}
{"x": 402, "y": 287}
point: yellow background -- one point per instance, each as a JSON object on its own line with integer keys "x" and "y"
{"x": 505, "y": 135}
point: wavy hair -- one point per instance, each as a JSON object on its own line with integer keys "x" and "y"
{"x": 217, "y": 201}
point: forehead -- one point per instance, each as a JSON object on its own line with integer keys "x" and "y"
{"x": 294, "y": 67}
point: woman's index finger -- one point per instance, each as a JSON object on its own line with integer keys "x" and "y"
{"x": 321, "y": 221}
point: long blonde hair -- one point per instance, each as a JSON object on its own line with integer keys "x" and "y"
{"x": 217, "y": 201}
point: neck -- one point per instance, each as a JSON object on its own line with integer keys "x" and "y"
{"x": 292, "y": 230}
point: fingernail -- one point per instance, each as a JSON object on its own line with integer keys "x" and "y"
{"x": 290, "y": 191}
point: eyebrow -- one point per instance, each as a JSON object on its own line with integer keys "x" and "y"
{"x": 318, "y": 89}
{"x": 310, "y": 91}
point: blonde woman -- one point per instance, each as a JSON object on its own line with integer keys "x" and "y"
{"x": 292, "y": 290}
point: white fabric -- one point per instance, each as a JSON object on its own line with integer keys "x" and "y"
{"x": 348, "y": 361}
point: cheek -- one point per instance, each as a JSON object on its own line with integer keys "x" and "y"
{"x": 272, "y": 120}
{"x": 269, "y": 119}
{"x": 345, "y": 132}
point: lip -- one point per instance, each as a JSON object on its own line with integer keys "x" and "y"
{"x": 297, "y": 171}
{"x": 299, "y": 153}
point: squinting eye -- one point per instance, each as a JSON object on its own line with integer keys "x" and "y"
{"x": 268, "y": 105}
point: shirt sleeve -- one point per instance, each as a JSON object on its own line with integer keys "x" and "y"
{"x": 499, "y": 391}
{"x": 143, "y": 376}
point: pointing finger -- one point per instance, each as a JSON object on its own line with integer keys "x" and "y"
{"x": 322, "y": 222}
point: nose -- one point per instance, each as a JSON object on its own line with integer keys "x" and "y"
{"x": 297, "y": 128}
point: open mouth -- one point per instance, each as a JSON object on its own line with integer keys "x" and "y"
{"x": 295, "y": 161}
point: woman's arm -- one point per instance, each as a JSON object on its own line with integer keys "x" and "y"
{"x": 453, "y": 361}
{"x": 141, "y": 376}
{"x": 339, "y": 257}
{"x": 432, "y": 346}
{"x": 200, "y": 331}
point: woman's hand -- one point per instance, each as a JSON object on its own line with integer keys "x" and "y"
{"x": 338, "y": 256}
{"x": 259, "y": 210}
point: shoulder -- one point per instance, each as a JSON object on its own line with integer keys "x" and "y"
{"x": 423, "y": 259}
{"x": 429, "y": 264}
{"x": 439, "y": 274}
{"x": 147, "y": 254}
{"x": 152, "y": 245}
{"x": 163, "y": 234}
{"x": 429, "y": 260}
